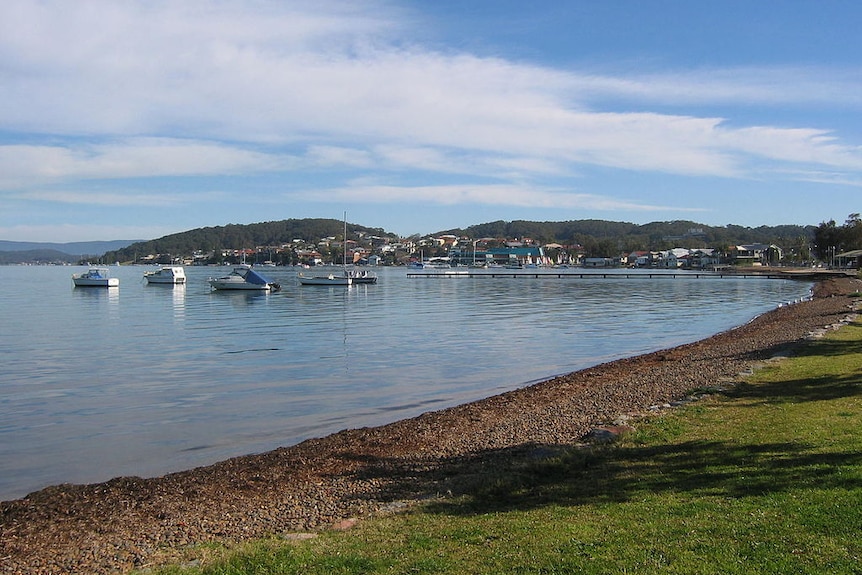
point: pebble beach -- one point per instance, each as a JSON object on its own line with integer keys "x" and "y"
{"x": 131, "y": 523}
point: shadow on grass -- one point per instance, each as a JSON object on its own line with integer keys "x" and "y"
{"x": 833, "y": 347}
{"x": 821, "y": 388}
{"x": 533, "y": 475}
{"x": 696, "y": 468}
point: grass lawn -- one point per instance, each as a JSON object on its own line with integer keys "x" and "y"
{"x": 763, "y": 478}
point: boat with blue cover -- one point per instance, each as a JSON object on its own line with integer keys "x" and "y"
{"x": 95, "y": 277}
{"x": 243, "y": 277}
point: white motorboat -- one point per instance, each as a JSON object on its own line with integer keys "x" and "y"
{"x": 325, "y": 280}
{"x": 243, "y": 278}
{"x": 355, "y": 276}
{"x": 439, "y": 263}
{"x": 95, "y": 277}
{"x": 166, "y": 275}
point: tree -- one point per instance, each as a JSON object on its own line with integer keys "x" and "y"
{"x": 800, "y": 250}
{"x": 831, "y": 239}
{"x": 853, "y": 232}
{"x": 827, "y": 239}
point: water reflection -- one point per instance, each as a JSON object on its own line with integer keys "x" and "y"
{"x": 241, "y": 298}
{"x": 236, "y": 373}
{"x": 98, "y": 300}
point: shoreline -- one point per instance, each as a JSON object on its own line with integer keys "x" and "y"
{"x": 130, "y": 522}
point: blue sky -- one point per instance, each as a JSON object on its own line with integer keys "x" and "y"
{"x": 140, "y": 118}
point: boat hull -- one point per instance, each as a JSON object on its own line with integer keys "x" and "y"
{"x": 243, "y": 286}
{"x": 361, "y": 276}
{"x": 168, "y": 275}
{"x": 243, "y": 278}
{"x": 330, "y": 280}
{"x": 95, "y": 277}
{"x": 104, "y": 283}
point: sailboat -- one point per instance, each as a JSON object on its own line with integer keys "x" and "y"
{"x": 360, "y": 276}
{"x": 333, "y": 279}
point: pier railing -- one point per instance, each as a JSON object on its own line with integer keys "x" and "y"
{"x": 591, "y": 274}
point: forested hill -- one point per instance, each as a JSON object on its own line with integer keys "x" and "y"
{"x": 623, "y": 235}
{"x": 655, "y": 235}
{"x": 239, "y": 236}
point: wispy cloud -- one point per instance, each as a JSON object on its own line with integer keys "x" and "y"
{"x": 87, "y": 196}
{"x": 26, "y": 165}
{"x": 98, "y": 90}
{"x": 740, "y": 86}
{"x": 502, "y": 195}
{"x": 329, "y": 74}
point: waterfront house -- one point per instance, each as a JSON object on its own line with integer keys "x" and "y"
{"x": 602, "y": 262}
{"x": 756, "y": 254}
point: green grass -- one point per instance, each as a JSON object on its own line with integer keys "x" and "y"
{"x": 765, "y": 478}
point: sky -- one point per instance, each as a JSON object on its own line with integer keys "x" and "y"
{"x": 135, "y": 119}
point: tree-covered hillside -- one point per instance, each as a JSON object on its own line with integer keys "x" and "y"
{"x": 599, "y": 236}
{"x": 236, "y": 237}
{"x": 595, "y": 236}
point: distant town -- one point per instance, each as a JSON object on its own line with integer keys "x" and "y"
{"x": 452, "y": 251}
{"x": 586, "y": 243}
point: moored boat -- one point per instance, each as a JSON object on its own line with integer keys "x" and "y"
{"x": 166, "y": 275}
{"x": 95, "y": 277}
{"x": 342, "y": 278}
{"x": 438, "y": 263}
{"x": 361, "y": 276}
{"x": 243, "y": 278}
{"x": 324, "y": 280}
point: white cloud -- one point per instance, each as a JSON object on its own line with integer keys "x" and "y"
{"x": 801, "y": 146}
{"x": 339, "y": 156}
{"x": 106, "y": 198}
{"x": 746, "y": 86}
{"x": 201, "y": 87}
{"x": 26, "y": 165}
{"x": 499, "y": 195}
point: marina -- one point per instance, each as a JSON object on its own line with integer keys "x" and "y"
{"x": 170, "y": 379}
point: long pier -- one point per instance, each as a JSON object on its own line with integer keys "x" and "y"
{"x": 805, "y": 275}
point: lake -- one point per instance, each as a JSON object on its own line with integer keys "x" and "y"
{"x": 145, "y": 379}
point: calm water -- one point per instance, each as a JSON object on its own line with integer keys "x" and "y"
{"x": 143, "y": 380}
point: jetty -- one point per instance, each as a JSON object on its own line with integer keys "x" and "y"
{"x": 617, "y": 273}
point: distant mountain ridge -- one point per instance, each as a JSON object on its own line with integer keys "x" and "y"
{"x": 57, "y": 253}
{"x": 79, "y": 249}
{"x": 35, "y": 257}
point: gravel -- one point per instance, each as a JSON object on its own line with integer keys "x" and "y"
{"x": 132, "y": 523}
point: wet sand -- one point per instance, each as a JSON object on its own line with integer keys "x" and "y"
{"x": 131, "y": 522}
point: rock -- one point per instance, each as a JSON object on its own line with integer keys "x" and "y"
{"x": 607, "y": 434}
